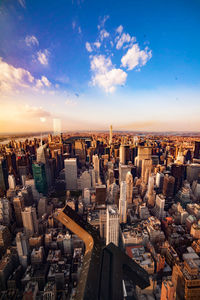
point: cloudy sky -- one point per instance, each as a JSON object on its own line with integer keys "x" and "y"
{"x": 134, "y": 64}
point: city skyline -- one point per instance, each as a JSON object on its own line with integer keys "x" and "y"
{"x": 95, "y": 64}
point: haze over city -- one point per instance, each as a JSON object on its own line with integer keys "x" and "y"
{"x": 99, "y": 150}
{"x": 133, "y": 64}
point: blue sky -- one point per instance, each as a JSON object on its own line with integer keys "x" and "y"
{"x": 135, "y": 64}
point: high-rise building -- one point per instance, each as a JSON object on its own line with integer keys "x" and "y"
{"x": 5, "y": 238}
{"x": 22, "y": 248}
{"x": 151, "y": 194}
{"x": 186, "y": 279}
{"x": 3, "y": 176}
{"x": 197, "y": 150}
{"x": 95, "y": 160}
{"x": 193, "y": 172}
{"x": 5, "y": 211}
{"x": 31, "y": 183}
{"x": 86, "y": 196}
{"x": 124, "y": 154}
{"x": 110, "y": 138}
{"x": 30, "y": 221}
{"x": 31, "y": 290}
{"x": 129, "y": 187}
{"x": 168, "y": 290}
{"x": 102, "y": 223}
{"x": 18, "y": 203}
{"x": 84, "y": 181}
{"x": 159, "y": 181}
{"x": 144, "y": 152}
{"x": 123, "y": 203}
{"x": 168, "y": 186}
{"x": 39, "y": 175}
{"x": 71, "y": 173}
{"x": 122, "y": 157}
{"x": 112, "y": 225}
{"x": 159, "y": 211}
{"x": 42, "y": 155}
{"x": 42, "y": 206}
{"x": 146, "y": 169}
{"x": 178, "y": 172}
{"x": 11, "y": 182}
{"x": 67, "y": 244}
{"x": 123, "y": 170}
{"x": 101, "y": 194}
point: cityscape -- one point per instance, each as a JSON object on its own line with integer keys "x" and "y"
{"x": 99, "y": 150}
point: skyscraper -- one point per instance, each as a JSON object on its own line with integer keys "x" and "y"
{"x": 71, "y": 173}
{"x": 159, "y": 181}
{"x": 18, "y": 203}
{"x": 144, "y": 152}
{"x": 42, "y": 206}
{"x": 123, "y": 203}
{"x": 112, "y": 225}
{"x": 159, "y": 207}
{"x": 123, "y": 170}
{"x": 129, "y": 187}
{"x": 110, "y": 138}
{"x": 168, "y": 186}
{"x": 11, "y": 182}
{"x": 101, "y": 194}
{"x": 39, "y": 175}
{"x": 85, "y": 180}
{"x": 124, "y": 154}
{"x": 197, "y": 150}
{"x": 22, "y": 248}
{"x": 146, "y": 169}
{"x": 5, "y": 211}
{"x": 42, "y": 157}
{"x": 95, "y": 160}
{"x": 3, "y": 175}
{"x": 30, "y": 221}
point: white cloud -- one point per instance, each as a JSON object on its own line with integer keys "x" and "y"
{"x": 12, "y": 78}
{"x": 125, "y": 38}
{"x": 105, "y": 75}
{"x": 31, "y": 40}
{"x": 43, "y": 82}
{"x": 105, "y": 18}
{"x": 35, "y": 112}
{"x": 97, "y": 44}
{"x": 22, "y": 3}
{"x": 136, "y": 57}
{"x": 119, "y": 29}
{"x": 46, "y": 81}
{"x": 39, "y": 83}
{"x": 43, "y": 57}
{"x": 88, "y": 47}
{"x": 104, "y": 34}
{"x": 103, "y": 21}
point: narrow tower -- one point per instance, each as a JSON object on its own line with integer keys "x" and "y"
{"x": 110, "y": 140}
